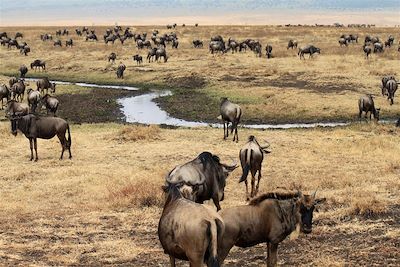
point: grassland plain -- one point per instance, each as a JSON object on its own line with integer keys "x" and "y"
{"x": 283, "y": 89}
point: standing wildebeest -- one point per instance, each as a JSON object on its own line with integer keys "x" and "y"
{"x": 4, "y": 93}
{"x": 12, "y": 43}
{"x": 189, "y": 231}
{"x": 385, "y": 79}
{"x": 112, "y": 57}
{"x": 269, "y": 218}
{"x": 251, "y": 157}
{"x": 367, "y": 51}
{"x": 51, "y": 104}
{"x": 37, "y": 63}
{"x": 151, "y": 54}
{"x": 34, "y": 127}
{"x": 16, "y": 109}
{"x": 3, "y": 35}
{"x": 18, "y": 90}
{"x": 366, "y": 104}
{"x": 25, "y": 50}
{"x": 12, "y": 81}
{"x": 197, "y": 44}
{"x": 57, "y": 43}
{"x": 230, "y": 113}
{"x": 206, "y": 173}
{"x": 217, "y": 46}
{"x": 33, "y": 99}
{"x": 309, "y": 49}
{"x": 268, "y": 50}
{"x": 161, "y": 52}
{"x": 343, "y": 42}
{"x": 292, "y": 44}
{"x": 353, "y": 38}
{"x": 78, "y": 32}
{"x": 378, "y": 47}
{"x": 120, "y": 71}
{"x": 175, "y": 43}
{"x": 69, "y": 43}
{"x": 58, "y": 32}
{"x": 45, "y": 84}
{"x": 138, "y": 59}
{"x": 391, "y": 87}
{"x": 91, "y": 36}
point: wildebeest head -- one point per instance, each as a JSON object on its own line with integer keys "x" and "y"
{"x": 376, "y": 114}
{"x": 306, "y": 205}
{"x": 53, "y": 87}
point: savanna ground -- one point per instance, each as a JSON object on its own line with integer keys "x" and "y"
{"x": 102, "y": 207}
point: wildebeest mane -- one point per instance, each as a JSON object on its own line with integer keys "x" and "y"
{"x": 273, "y": 195}
{"x": 172, "y": 192}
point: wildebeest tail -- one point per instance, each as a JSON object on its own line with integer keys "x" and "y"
{"x": 211, "y": 255}
{"x": 237, "y": 119}
{"x": 246, "y": 168}
{"x": 69, "y": 140}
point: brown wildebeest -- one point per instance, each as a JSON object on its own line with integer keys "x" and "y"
{"x": 45, "y": 84}
{"x": 343, "y": 42}
{"x": 69, "y": 43}
{"x": 138, "y": 59}
{"x": 391, "y": 88}
{"x": 309, "y": 49}
{"x": 269, "y": 218}
{"x": 23, "y": 70}
{"x": 112, "y": 57}
{"x": 151, "y": 54}
{"x": 189, "y": 231}
{"x": 366, "y": 104}
{"x": 268, "y": 51}
{"x": 292, "y": 44}
{"x": 367, "y": 51}
{"x": 230, "y": 113}
{"x": 161, "y": 52}
{"x": 57, "y": 43}
{"x": 38, "y": 64}
{"x": 12, "y": 81}
{"x": 16, "y": 109}
{"x": 33, "y": 99}
{"x": 51, "y": 103}
{"x": 18, "y": 90}
{"x": 120, "y": 71}
{"x": 251, "y": 157}
{"x": 34, "y": 127}
{"x": 4, "y": 93}
{"x": 385, "y": 79}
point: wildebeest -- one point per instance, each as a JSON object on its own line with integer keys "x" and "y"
{"x": 196, "y": 25}
{"x": 78, "y": 32}
{"x": 385, "y": 79}
{"x": 138, "y": 59}
{"x": 189, "y": 231}
{"x": 217, "y": 46}
{"x": 206, "y": 173}
{"x": 110, "y": 38}
{"x": 51, "y": 103}
{"x": 398, "y": 123}
{"x": 12, "y": 81}
{"x": 292, "y": 44}
{"x": 391, "y": 88}
{"x": 91, "y": 36}
{"x": 112, "y": 57}
{"x": 18, "y": 90}
{"x": 230, "y": 113}
{"x": 58, "y": 32}
{"x": 3, "y": 35}
{"x": 269, "y": 218}
{"x": 268, "y": 51}
{"x": 366, "y": 104}
{"x": 151, "y": 54}
{"x": 161, "y": 52}
{"x": 4, "y": 93}
{"x": 197, "y": 44}
{"x": 120, "y": 71}
{"x": 378, "y": 47}
{"x": 33, "y": 99}
{"x": 16, "y": 109}
{"x": 353, "y": 37}
{"x": 342, "y": 42}
{"x": 175, "y": 43}
{"x": 251, "y": 157}
{"x": 69, "y": 43}
{"x": 37, "y": 63}
{"x": 46, "y": 37}
{"x": 45, "y": 84}
{"x": 57, "y": 43}
{"x": 25, "y": 50}
{"x": 34, "y": 127}
{"x": 309, "y": 49}
{"x": 12, "y": 43}
{"x": 367, "y": 51}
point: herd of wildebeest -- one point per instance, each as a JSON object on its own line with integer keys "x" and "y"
{"x": 209, "y": 235}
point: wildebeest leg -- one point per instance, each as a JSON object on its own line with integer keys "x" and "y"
{"x": 31, "y": 146}
{"x": 247, "y": 190}
{"x": 224, "y": 131}
{"x": 172, "y": 261}
{"x": 272, "y": 255}
{"x": 236, "y": 134}
{"x": 258, "y": 181}
{"x": 63, "y": 142}
{"x": 253, "y": 181}
{"x": 35, "y": 144}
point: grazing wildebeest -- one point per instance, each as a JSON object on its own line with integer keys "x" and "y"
{"x": 4, "y": 93}
{"x": 57, "y": 43}
{"x": 366, "y": 104}
{"x": 268, "y": 50}
{"x": 78, "y": 32}
{"x": 161, "y": 52}
{"x": 378, "y": 47}
{"x": 354, "y": 37}
{"x": 242, "y": 47}
{"x": 232, "y": 45}
{"x": 206, "y": 173}
{"x": 33, "y": 99}
{"x": 3, "y": 35}
{"x": 230, "y": 113}
{"x": 385, "y": 79}
{"x": 197, "y": 44}
{"x": 91, "y": 36}
{"x": 217, "y": 46}
{"x": 37, "y": 63}
{"x": 120, "y": 71}
{"x": 110, "y": 38}
{"x": 388, "y": 44}
{"x": 34, "y": 127}
{"x": 258, "y": 50}
{"x": 175, "y": 43}
{"x": 58, "y": 32}
{"x": 12, "y": 43}
{"x": 51, "y": 104}
{"x": 138, "y": 59}
{"x": 25, "y": 50}
{"x": 12, "y": 81}
{"x": 69, "y": 43}
{"x": 367, "y": 51}
{"x": 18, "y": 90}
{"x": 189, "y": 231}
{"x": 391, "y": 87}
{"x": 16, "y": 109}
{"x": 169, "y": 26}
{"x": 390, "y": 40}
{"x": 251, "y": 157}
{"x": 269, "y": 218}
{"x": 309, "y": 49}
{"x": 65, "y": 32}
{"x": 112, "y": 57}
{"x": 342, "y": 42}
{"x": 292, "y": 44}
{"x": 45, "y": 84}
{"x": 151, "y": 54}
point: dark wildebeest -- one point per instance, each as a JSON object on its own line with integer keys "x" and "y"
{"x": 33, "y": 99}
{"x": 391, "y": 88}
{"x": 120, "y": 71}
{"x": 196, "y": 25}
{"x": 58, "y": 32}
{"x": 4, "y": 93}
{"x": 269, "y": 218}
{"x": 69, "y": 43}
{"x": 398, "y": 123}
{"x": 45, "y": 84}
{"x": 217, "y": 38}
{"x": 65, "y": 32}
{"x": 367, "y": 51}
{"x": 51, "y": 104}
{"x": 91, "y": 36}
{"x": 230, "y": 113}
{"x": 354, "y": 37}
{"x": 112, "y": 57}
{"x": 34, "y": 127}
{"x": 251, "y": 157}
{"x": 309, "y": 49}
{"x": 57, "y": 43}
{"x": 78, "y": 32}
{"x": 378, "y": 47}
{"x": 206, "y": 173}
{"x": 189, "y": 231}
{"x": 161, "y": 52}
{"x": 138, "y": 59}
{"x": 3, "y": 35}
{"x": 268, "y": 51}
{"x": 343, "y": 42}
{"x": 16, "y": 109}
{"x": 388, "y": 44}
{"x": 197, "y": 44}
{"x": 242, "y": 47}
{"x": 390, "y": 40}
{"x": 12, "y": 81}
{"x": 110, "y": 38}
{"x": 151, "y": 54}
{"x": 38, "y": 64}
{"x": 12, "y": 43}
{"x": 85, "y": 29}
{"x": 366, "y": 104}
{"x": 25, "y": 50}
{"x": 18, "y": 90}
{"x": 175, "y": 43}
{"x": 292, "y": 44}
{"x": 217, "y": 46}
{"x": 385, "y": 79}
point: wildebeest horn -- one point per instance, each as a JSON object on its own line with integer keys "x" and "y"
{"x": 313, "y": 194}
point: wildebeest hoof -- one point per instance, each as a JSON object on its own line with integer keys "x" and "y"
{"x": 36, "y": 159}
